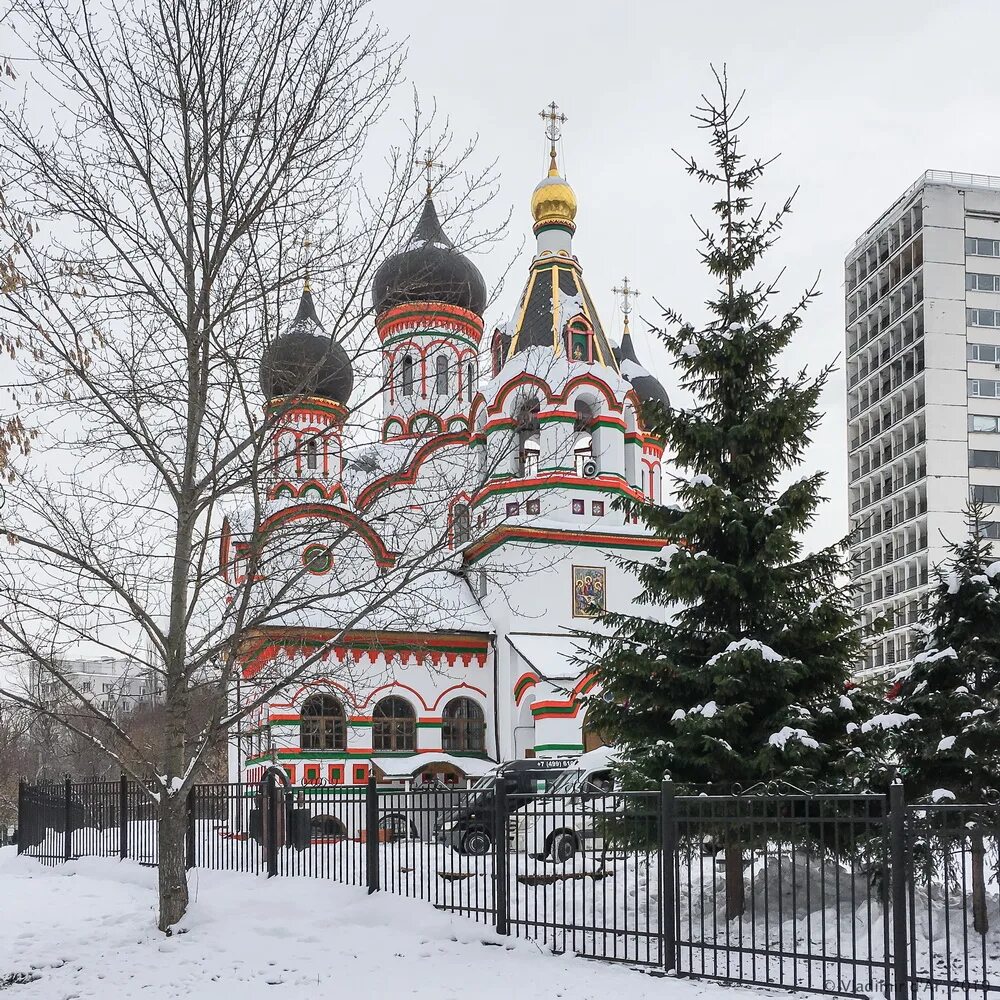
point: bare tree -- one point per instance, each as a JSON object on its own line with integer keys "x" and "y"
{"x": 186, "y": 152}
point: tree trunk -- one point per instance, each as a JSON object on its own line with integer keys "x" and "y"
{"x": 171, "y": 834}
{"x": 980, "y": 918}
{"x": 736, "y": 900}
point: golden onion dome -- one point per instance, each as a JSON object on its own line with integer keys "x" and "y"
{"x": 553, "y": 200}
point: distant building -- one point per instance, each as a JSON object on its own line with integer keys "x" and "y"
{"x": 922, "y": 288}
{"x": 115, "y": 685}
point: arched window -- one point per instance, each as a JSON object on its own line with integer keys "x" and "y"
{"x": 528, "y": 446}
{"x": 312, "y": 454}
{"x": 407, "y": 375}
{"x": 464, "y": 726}
{"x": 579, "y": 340}
{"x": 323, "y": 724}
{"x": 441, "y": 375}
{"x": 394, "y": 725}
{"x": 470, "y": 380}
{"x": 496, "y": 352}
{"x": 462, "y": 531}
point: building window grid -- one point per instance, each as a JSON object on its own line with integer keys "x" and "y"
{"x": 887, "y": 449}
{"x": 883, "y": 383}
{"x": 888, "y": 248}
{"x": 873, "y": 426}
{"x": 885, "y": 346}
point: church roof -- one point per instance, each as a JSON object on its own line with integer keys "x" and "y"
{"x": 554, "y": 294}
{"x": 305, "y": 360}
{"x": 647, "y": 387}
{"x": 429, "y": 269}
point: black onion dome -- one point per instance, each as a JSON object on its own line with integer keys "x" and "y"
{"x": 647, "y": 388}
{"x": 305, "y": 361}
{"x": 429, "y": 269}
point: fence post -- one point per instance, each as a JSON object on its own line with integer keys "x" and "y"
{"x": 500, "y": 856}
{"x": 68, "y": 817}
{"x": 21, "y": 801}
{"x": 122, "y": 817}
{"x": 371, "y": 835}
{"x": 668, "y": 868}
{"x": 191, "y": 803}
{"x": 271, "y": 793}
{"x": 897, "y": 857}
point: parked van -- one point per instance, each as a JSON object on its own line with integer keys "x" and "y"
{"x": 565, "y": 820}
{"x": 469, "y": 827}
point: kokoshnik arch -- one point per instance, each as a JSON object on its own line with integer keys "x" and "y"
{"x": 515, "y": 467}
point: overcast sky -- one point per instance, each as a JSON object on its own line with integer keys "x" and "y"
{"x": 859, "y": 98}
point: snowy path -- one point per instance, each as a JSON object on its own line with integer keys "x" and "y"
{"x": 86, "y": 929}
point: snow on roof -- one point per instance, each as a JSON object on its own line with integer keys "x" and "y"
{"x": 436, "y": 601}
{"x": 555, "y": 370}
{"x": 631, "y": 370}
{"x": 550, "y": 655}
{"x": 401, "y": 767}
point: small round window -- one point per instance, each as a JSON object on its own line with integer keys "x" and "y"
{"x": 317, "y": 558}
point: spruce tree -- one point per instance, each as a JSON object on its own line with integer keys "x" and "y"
{"x": 949, "y": 749}
{"x": 747, "y": 679}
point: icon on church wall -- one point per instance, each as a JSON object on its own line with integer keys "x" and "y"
{"x": 589, "y": 591}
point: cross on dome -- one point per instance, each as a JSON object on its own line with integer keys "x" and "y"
{"x": 627, "y": 293}
{"x": 554, "y": 120}
{"x": 429, "y": 163}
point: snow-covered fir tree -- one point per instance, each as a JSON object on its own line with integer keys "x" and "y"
{"x": 947, "y": 744}
{"x": 750, "y": 679}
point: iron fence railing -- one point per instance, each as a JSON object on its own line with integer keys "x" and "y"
{"x": 846, "y": 894}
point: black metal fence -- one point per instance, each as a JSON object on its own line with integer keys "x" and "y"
{"x": 858, "y": 895}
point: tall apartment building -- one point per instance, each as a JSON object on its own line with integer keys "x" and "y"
{"x": 922, "y": 289}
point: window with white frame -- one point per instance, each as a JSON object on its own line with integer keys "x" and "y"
{"x": 982, "y": 317}
{"x": 975, "y": 282}
{"x": 985, "y": 387}
{"x": 976, "y": 247}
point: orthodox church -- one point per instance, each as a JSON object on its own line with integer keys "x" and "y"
{"x": 434, "y": 579}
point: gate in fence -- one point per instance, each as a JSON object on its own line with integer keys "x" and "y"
{"x": 850, "y": 894}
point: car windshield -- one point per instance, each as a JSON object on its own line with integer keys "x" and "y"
{"x": 484, "y": 784}
{"x": 569, "y": 782}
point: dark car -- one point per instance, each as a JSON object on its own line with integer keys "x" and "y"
{"x": 469, "y": 827}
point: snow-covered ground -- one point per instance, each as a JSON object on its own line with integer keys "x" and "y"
{"x": 86, "y": 930}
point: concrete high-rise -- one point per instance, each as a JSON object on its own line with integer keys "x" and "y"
{"x": 922, "y": 289}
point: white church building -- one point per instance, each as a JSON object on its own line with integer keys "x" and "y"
{"x": 449, "y": 565}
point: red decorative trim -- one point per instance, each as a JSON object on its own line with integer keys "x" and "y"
{"x": 523, "y": 684}
{"x": 459, "y": 687}
{"x": 440, "y": 649}
{"x": 408, "y": 476}
{"x": 225, "y": 540}
{"x": 612, "y": 480}
{"x": 383, "y": 557}
{"x": 556, "y": 708}
{"x": 418, "y": 314}
{"x": 517, "y": 532}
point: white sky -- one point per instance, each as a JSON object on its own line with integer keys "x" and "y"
{"x": 859, "y": 98}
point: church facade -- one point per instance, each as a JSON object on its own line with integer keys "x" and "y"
{"x": 454, "y": 561}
